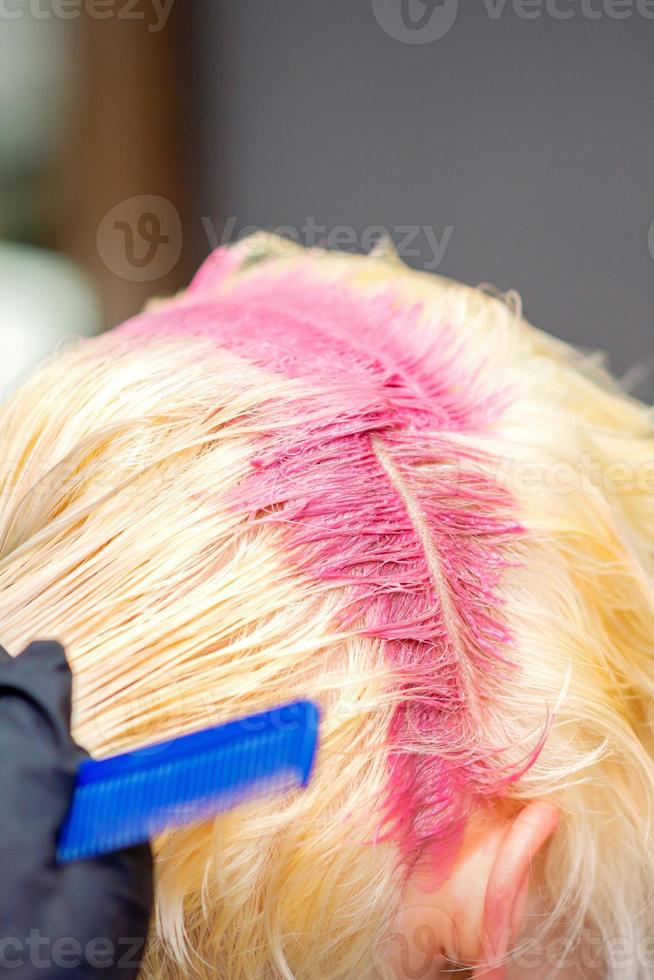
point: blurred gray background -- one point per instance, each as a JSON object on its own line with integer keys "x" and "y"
{"x": 531, "y": 140}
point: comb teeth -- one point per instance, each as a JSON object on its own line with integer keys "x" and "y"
{"x": 129, "y": 798}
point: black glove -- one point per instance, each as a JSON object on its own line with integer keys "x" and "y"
{"x": 84, "y": 920}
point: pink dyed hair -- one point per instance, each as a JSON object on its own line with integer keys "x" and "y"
{"x": 371, "y": 496}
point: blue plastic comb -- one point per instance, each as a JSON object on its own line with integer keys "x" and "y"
{"x": 129, "y": 798}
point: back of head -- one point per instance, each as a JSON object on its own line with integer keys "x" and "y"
{"x": 327, "y": 476}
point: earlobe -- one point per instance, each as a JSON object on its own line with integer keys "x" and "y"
{"x": 508, "y": 885}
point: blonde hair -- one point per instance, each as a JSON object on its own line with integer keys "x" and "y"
{"x": 165, "y": 503}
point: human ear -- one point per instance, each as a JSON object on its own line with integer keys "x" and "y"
{"x": 507, "y": 889}
{"x": 475, "y": 915}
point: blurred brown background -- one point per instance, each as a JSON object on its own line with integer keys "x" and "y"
{"x": 128, "y": 139}
{"x": 96, "y": 165}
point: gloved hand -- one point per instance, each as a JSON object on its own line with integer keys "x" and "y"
{"x": 84, "y": 920}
